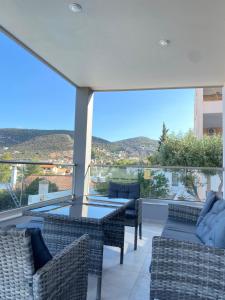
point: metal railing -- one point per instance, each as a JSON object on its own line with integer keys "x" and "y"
{"x": 27, "y": 162}
{"x": 24, "y": 182}
{"x": 161, "y": 182}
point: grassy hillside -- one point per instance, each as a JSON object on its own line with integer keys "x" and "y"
{"x": 29, "y": 143}
{"x": 138, "y": 144}
{"x": 12, "y": 136}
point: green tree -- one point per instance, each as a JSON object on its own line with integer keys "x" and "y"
{"x": 163, "y": 136}
{"x": 102, "y": 187}
{"x": 93, "y": 154}
{"x": 5, "y": 171}
{"x": 126, "y": 162}
{"x": 32, "y": 170}
{"x": 33, "y": 187}
{"x": 155, "y": 187}
{"x": 186, "y": 150}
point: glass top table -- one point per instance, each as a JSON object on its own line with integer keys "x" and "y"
{"x": 94, "y": 207}
{"x": 104, "y": 200}
{"x": 99, "y": 217}
{"x": 75, "y": 210}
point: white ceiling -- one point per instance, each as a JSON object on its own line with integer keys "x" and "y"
{"x": 113, "y": 45}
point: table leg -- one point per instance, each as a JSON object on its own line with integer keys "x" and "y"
{"x": 99, "y": 288}
{"x": 140, "y": 231}
{"x": 121, "y": 255}
{"x": 135, "y": 237}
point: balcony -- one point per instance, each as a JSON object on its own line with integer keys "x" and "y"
{"x": 135, "y": 267}
{"x": 152, "y": 45}
{"x": 175, "y": 188}
{"x": 213, "y": 97}
{"x": 155, "y": 212}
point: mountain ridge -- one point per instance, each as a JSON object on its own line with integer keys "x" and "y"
{"x": 31, "y": 142}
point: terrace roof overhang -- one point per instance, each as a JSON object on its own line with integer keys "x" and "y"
{"x": 114, "y": 45}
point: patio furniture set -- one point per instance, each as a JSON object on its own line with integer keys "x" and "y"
{"x": 74, "y": 234}
{"x": 188, "y": 259}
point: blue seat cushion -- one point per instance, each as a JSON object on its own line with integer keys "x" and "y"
{"x": 210, "y": 200}
{"x": 41, "y": 253}
{"x": 128, "y": 191}
{"x": 180, "y": 226}
{"x": 181, "y": 236}
{"x": 211, "y": 230}
{"x": 130, "y": 214}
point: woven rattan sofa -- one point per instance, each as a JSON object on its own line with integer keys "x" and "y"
{"x": 63, "y": 277}
{"x": 186, "y": 264}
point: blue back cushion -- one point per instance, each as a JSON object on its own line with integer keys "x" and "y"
{"x": 210, "y": 200}
{"x": 128, "y": 191}
{"x": 211, "y": 230}
{"x": 41, "y": 253}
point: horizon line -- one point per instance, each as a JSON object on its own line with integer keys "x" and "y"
{"x": 106, "y": 139}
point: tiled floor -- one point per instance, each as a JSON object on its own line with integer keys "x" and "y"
{"x": 130, "y": 281}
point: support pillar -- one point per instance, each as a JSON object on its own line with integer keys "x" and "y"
{"x": 223, "y": 136}
{"x": 82, "y": 141}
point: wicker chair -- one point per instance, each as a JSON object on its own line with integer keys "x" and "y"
{"x": 133, "y": 213}
{"x": 186, "y": 270}
{"x": 63, "y": 277}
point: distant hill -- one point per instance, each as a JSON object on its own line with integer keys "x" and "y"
{"x": 27, "y": 143}
{"x": 138, "y": 144}
{"x": 13, "y": 136}
{"x": 47, "y": 143}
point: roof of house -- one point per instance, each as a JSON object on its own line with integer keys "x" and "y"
{"x": 63, "y": 182}
{"x": 48, "y": 166}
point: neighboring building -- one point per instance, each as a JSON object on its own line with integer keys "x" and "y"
{"x": 208, "y": 111}
{"x": 208, "y": 121}
{"x": 49, "y": 169}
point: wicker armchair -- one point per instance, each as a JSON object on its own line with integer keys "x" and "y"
{"x": 63, "y": 277}
{"x": 186, "y": 270}
{"x": 133, "y": 213}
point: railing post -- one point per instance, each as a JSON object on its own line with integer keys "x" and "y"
{"x": 82, "y": 141}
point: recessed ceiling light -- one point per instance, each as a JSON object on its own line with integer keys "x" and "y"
{"x": 75, "y": 7}
{"x": 164, "y": 43}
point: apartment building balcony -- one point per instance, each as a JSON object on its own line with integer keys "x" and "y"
{"x": 208, "y": 111}
{"x": 212, "y": 123}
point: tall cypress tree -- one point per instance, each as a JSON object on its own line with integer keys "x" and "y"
{"x": 163, "y": 136}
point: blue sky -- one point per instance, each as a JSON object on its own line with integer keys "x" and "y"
{"x": 33, "y": 96}
{"x": 141, "y": 113}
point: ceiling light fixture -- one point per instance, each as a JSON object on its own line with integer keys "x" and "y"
{"x": 164, "y": 43}
{"x": 75, "y": 7}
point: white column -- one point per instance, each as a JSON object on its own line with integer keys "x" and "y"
{"x": 82, "y": 141}
{"x": 198, "y": 113}
{"x": 223, "y": 135}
